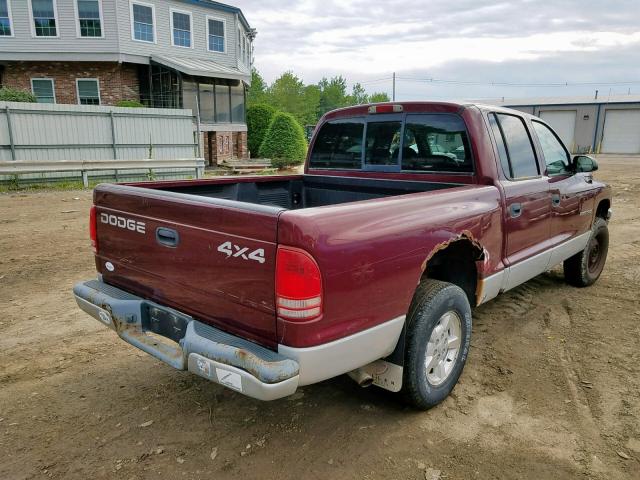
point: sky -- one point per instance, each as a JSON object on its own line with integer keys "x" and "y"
{"x": 531, "y": 42}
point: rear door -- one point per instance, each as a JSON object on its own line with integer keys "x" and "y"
{"x": 527, "y": 198}
{"x": 213, "y": 259}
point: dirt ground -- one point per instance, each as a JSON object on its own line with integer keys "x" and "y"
{"x": 551, "y": 388}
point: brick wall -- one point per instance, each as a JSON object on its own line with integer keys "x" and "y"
{"x": 117, "y": 81}
{"x": 240, "y": 148}
{"x": 219, "y": 147}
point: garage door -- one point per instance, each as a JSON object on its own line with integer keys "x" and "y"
{"x": 621, "y": 131}
{"x": 564, "y": 124}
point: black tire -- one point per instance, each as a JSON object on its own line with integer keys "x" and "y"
{"x": 584, "y": 268}
{"x": 432, "y": 300}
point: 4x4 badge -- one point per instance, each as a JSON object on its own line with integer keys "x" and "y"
{"x": 236, "y": 251}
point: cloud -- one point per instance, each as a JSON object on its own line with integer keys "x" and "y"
{"x": 368, "y": 39}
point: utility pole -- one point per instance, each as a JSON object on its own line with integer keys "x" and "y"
{"x": 393, "y": 96}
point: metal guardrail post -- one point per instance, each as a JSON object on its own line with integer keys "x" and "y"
{"x": 10, "y": 129}
{"x": 85, "y": 179}
{"x": 113, "y": 136}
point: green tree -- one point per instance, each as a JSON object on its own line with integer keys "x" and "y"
{"x": 8, "y": 94}
{"x": 358, "y": 95}
{"x": 257, "y": 92}
{"x": 379, "y": 97}
{"x": 286, "y": 93}
{"x": 333, "y": 94}
{"x": 259, "y": 118}
{"x": 284, "y": 142}
{"x": 311, "y": 105}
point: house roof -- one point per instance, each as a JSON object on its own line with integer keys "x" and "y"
{"x": 582, "y": 100}
{"x": 201, "y": 68}
{"x": 223, "y": 7}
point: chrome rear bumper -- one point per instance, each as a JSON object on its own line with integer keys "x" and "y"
{"x": 231, "y": 361}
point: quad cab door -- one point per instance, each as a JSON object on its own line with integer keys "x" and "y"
{"x": 527, "y": 200}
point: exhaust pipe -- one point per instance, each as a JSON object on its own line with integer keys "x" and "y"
{"x": 361, "y": 377}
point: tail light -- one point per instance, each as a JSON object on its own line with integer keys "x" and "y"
{"x": 298, "y": 285}
{"x": 93, "y": 233}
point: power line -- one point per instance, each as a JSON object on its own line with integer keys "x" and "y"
{"x": 514, "y": 84}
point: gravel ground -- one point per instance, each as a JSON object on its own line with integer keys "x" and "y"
{"x": 551, "y": 388}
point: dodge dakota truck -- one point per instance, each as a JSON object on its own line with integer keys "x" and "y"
{"x": 407, "y": 216}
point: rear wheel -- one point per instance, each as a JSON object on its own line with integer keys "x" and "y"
{"x": 584, "y": 268}
{"x": 437, "y": 342}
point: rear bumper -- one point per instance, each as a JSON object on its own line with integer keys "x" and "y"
{"x": 206, "y": 351}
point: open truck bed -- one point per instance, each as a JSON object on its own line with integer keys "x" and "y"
{"x": 295, "y": 192}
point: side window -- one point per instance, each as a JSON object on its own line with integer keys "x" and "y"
{"x": 44, "y": 90}
{"x": 88, "y": 91}
{"x": 215, "y": 35}
{"x": 338, "y": 145}
{"x": 382, "y": 143}
{"x": 522, "y": 159}
{"x": 45, "y": 18}
{"x": 89, "y": 18}
{"x": 555, "y": 156}
{"x": 502, "y": 150}
{"x": 5, "y": 19}
{"x": 143, "y": 22}
{"x": 436, "y": 143}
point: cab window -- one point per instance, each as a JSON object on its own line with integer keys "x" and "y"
{"x": 556, "y": 156}
{"x": 436, "y": 143}
{"x": 519, "y": 149}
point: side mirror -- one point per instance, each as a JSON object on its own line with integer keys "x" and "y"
{"x": 585, "y": 164}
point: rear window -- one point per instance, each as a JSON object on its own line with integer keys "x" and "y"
{"x": 422, "y": 143}
{"x": 338, "y": 145}
{"x": 436, "y": 143}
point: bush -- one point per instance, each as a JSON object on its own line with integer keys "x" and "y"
{"x": 129, "y": 103}
{"x": 284, "y": 142}
{"x": 8, "y": 94}
{"x": 259, "y": 117}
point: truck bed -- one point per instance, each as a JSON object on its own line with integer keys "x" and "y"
{"x": 208, "y": 247}
{"x": 296, "y": 192}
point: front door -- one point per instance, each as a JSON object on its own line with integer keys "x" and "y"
{"x": 527, "y": 200}
{"x": 572, "y": 197}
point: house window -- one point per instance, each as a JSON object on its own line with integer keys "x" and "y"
{"x": 5, "y": 19}
{"x": 89, "y": 18}
{"x": 142, "y": 20}
{"x": 215, "y": 34}
{"x": 44, "y": 90}
{"x": 43, "y": 13}
{"x": 88, "y": 91}
{"x": 181, "y": 28}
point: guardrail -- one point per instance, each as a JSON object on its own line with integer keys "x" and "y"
{"x": 18, "y": 167}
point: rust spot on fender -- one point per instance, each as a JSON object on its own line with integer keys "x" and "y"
{"x": 482, "y": 256}
{"x": 464, "y": 235}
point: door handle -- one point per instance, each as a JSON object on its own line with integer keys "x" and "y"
{"x": 555, "y": 199}
{"x": 167, "y": 237}
{"x": 515, "y": 210}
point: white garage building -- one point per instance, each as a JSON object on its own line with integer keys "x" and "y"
{"x": 605, "y": 124}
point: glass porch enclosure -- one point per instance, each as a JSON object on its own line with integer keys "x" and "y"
{"x": 217, "y": 100}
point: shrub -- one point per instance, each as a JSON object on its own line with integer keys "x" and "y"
{"x": 284, "y": 142}
{"x": 259, "y": 117}
{"x": 129, "y": 103}
{"x": 8, "y": 94}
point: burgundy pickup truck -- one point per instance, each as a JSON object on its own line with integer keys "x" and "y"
{"x": 407, "y": 216}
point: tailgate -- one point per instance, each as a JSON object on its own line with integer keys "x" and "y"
{"x": 213, "y": 259}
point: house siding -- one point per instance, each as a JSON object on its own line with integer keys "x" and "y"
{"x": 163, "y": 43}
{"x": 67, "y": 40}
